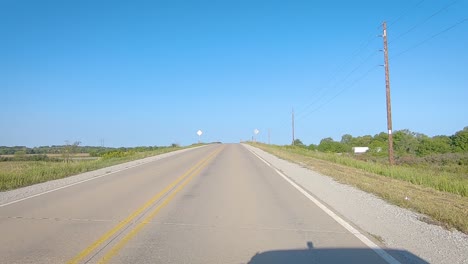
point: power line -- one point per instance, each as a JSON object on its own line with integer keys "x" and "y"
{"x": 341, "y": 81}
{"x": 340, "y": 92}
{"x": 302, "y": 114}
{"x": 356, "y": 52}
{"x": 424, "y": 21}
{"x": 431, "y": 37}
{"x": 405, "y": 13}
{"x": 338, "y": 70}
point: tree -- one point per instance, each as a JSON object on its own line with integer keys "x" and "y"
{"x": 405, "y": 142}
{"x": 69, "y": 150}
{"x": 298, "y": 142}
{"x": 312, "y": 147}
{"x": 346, "y": 139}
{"x": 378, "y": 147}
{"x": 460, "y": 141}
{"x": 437, "y": 144}
{"x": 328, "y": 145}
{"x": 381, "y": 137}
{"x": 363, "y": 141}
{"x": 20, "y": 155}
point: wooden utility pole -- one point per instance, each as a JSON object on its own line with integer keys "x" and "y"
{"x": 391, "y": 160}
{"x": 292, "y": 127}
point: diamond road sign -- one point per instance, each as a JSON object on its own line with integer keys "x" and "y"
{"x": 199, "y": 132}
{"x": 256, "y": 131}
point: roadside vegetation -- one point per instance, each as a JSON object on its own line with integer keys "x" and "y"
{"x": 21, "y": 166}
{"x": 431, "y": 175}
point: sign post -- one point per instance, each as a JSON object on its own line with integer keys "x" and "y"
{"x": 199, "y": 133}
{"x": 256, "y": 131}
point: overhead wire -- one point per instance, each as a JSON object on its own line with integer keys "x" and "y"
{"x": 431, "y": 37}
{"x": 336, "y": 73}
{"x": 302, "y": 114}
{"x": 424, "y": 21}
{"x": 364, "y": 45}
{"x": 355, "y": 69}
{"x": 340, "y": 92}
{"x": 307, "y": 113}
{"x": 404, "y": 14}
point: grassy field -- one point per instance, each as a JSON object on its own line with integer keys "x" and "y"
{"x": 443, "y": 196}
{"x": 15, "y": 174}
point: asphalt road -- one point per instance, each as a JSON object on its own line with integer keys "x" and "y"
{"x": 216, "y": 204}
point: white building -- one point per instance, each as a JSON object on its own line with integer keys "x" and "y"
{"x": 359, "y": 150}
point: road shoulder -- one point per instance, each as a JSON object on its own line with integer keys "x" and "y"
{"x": 16, "y": 195}
{"x": 395, "y": 227}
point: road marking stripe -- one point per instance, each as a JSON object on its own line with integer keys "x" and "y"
{"x": 140, "y": 210}
{"x": 381, "y": 252}
{"x": 93, "y": 178}
{"x": 116, "y": 249}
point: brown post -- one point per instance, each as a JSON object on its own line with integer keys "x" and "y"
{"x": 391, "y": 160}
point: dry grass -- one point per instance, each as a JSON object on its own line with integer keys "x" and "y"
{"x": 15, "y": 174}
{"x": 448, "y": 209}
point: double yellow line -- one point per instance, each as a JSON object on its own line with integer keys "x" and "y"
{"x": 172, "y": 189}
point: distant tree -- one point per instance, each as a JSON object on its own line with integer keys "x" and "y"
{"x": 20, "y": 155}
{"x": 363, "y": 141}
{"x": 379, "y": 148}
{"x": 328, "y": 139}
{"x": 460, "y": 141}
{"x": 298, "y": 142}
{"x": 381, "y": 137}
{"x": 329, "y": 145}
{"x": 347, "y": 139}
{"x": 435, "y": 145}
{"x": 70, "y": 150}
{"x": 312, "y": 147}
{"x": 405, "y": 142}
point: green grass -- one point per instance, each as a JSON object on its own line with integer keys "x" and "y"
{"x": 445, "y": 181}
{"x": 440, "y": 195}
{"x": 15, "y": 174}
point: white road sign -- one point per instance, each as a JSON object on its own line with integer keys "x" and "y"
{"x": 199, "y": 132}
{"x": 256, "y": 131}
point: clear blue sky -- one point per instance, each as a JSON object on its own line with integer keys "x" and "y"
{"x": 154, "y": 72}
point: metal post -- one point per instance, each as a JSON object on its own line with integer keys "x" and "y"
{"x": 292, "y": 127}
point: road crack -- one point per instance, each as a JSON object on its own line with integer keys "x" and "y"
{"x": 58, "y": 219}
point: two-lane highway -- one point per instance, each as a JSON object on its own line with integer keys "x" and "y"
{"x": 216, "y": 204}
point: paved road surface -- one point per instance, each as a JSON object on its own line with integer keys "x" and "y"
{"x": 216, "y": 204}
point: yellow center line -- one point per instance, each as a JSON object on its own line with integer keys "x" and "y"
{"x": 114, "y": 250}
{"x": 139, "y": 211}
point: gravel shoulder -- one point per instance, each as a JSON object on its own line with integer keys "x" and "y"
{"x": 395, "y": 227}
{"x": 24, "y": 192}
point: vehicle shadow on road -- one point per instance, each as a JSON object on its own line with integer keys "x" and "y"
{"x": 331, "y": 255}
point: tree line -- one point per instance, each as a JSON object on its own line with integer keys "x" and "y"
{"x": 75, "y": 148}
{"x": 405, "y": 142}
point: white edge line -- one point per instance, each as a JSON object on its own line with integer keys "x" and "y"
{"x": 93, "y": 178}
{"x": 381, "y": 252}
